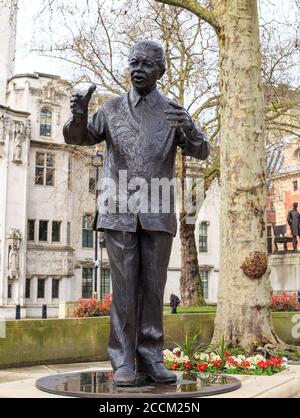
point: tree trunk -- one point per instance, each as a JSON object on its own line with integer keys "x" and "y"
{"x": 191, "y": 291}
{"x": 243, "y": 313}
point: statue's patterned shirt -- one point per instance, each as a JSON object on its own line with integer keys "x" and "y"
{"x": 140, "y": 147}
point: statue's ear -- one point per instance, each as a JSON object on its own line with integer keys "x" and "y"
{"x": 162, "y": 72}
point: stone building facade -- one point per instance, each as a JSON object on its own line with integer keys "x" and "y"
{"x": 47, "y": 192}
{"x": 47, "y": 195}
{"x": 47, "y": 204}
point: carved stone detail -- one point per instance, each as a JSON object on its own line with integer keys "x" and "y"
{"x": 52, "y": 263}
{"x": 14, "y": 240}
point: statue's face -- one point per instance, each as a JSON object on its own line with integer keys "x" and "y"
{"x": 144, "y": 69}
{"x": 296, "y": 206}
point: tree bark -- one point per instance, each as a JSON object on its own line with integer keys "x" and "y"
{"x": 243, "y": 313}
{"x": 244, "y": 304}
{"x": 190, "y": 281}
{"x": 191, "y": 291}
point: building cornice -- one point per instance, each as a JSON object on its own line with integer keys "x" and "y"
{"x": 35, "y": 75}
{"x": 49, "y": 247}
{"x": 53, "y": 146}
{"x": 14, "y": 112}
{"x": 288, "y": 174}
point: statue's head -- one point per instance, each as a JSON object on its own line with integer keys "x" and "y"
{"x": 147, "y": 64}
{"x": 295, "y": 205}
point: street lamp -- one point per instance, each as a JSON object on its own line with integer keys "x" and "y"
{"x": 97, "y": 162}
{"x": 102, "y": 245}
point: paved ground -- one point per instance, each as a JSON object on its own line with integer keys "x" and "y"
{"x": 20, "y": 382}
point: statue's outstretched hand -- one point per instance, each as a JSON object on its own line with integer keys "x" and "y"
{"x": 179, "y": 117}
{"x": 80, "y": 101}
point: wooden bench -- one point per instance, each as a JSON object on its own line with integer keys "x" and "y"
{"x": 279, "y": 236}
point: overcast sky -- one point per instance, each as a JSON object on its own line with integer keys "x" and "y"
{"x": 27, "y": 61}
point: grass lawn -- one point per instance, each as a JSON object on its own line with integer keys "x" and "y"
{"x": 191, "y": 309}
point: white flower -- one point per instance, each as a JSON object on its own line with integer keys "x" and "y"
{"x": 169, "y": 356}
{"x": 229, "y": 366}
{"x": 214, "y": 357}
{"x": 204, "y": 357}
{"x": 239, "y": 359}
{"x": 254, "y": 360}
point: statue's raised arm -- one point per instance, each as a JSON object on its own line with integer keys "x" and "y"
{"x": 76, "y": 129}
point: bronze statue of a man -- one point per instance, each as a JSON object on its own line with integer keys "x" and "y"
{"x": 293, "y": 220}
{"x": 142, "y": 131}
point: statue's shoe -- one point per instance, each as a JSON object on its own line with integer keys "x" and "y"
{"x": 155, "y": 372}
{"x": 124, "y": 376}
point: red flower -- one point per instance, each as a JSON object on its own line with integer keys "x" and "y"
{"x": 217, "y": 363}
{"x": 263, "y": 364}
{"x": 231, "y": 361}
{"x": 245, "y": 364}
{"x": 188, "y": 366}
{"x": 201, "y": 367}
{"x": 174, "y": 366}
{"x": 276, "y": 362}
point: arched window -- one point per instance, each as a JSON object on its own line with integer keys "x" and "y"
{"x": 45, "y": 122}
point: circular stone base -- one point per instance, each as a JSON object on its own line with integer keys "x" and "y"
{"x": 99, "y": 384}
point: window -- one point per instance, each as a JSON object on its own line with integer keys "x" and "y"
{"x": 43, "y": 231}
{"x": 55, "y": 288}
{"x": 44, "y": 169}
{"x": 41, "y": 289}
{"x": 92, "y": 179}
{"x": 203, "y": 237}
{"x": 204, "y": 282}
{"x": 9, "y": 291}
{"x": 87, "y": 232}
{"x": 69, "y": 233}
{"x": 105, "y": 283}
{"x": 87, "y": 282}
{"x": 30, "y": 230}
{"x": 295, "y": 185}
{"x": 269, "y": 240}
{"x": 56, "y": 231}
{"x": 45, "y": 122}
{"x": 27, "y": 289}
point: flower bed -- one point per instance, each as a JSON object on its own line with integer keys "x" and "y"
{"x": 176, "y": 360}
{"x": 87, "y": 308}
{"x": 285, "y": 302}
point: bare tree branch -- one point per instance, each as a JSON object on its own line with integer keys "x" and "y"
{"x": 194, "y": 7}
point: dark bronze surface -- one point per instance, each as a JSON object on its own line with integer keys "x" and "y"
{"x": 142, "y": 130}
{"x": 293, "y": 220}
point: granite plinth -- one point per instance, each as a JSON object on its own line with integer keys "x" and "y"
{"x": 99, "y": 384}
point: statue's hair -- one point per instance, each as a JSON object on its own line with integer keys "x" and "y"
{"x": 155, "y": 46}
